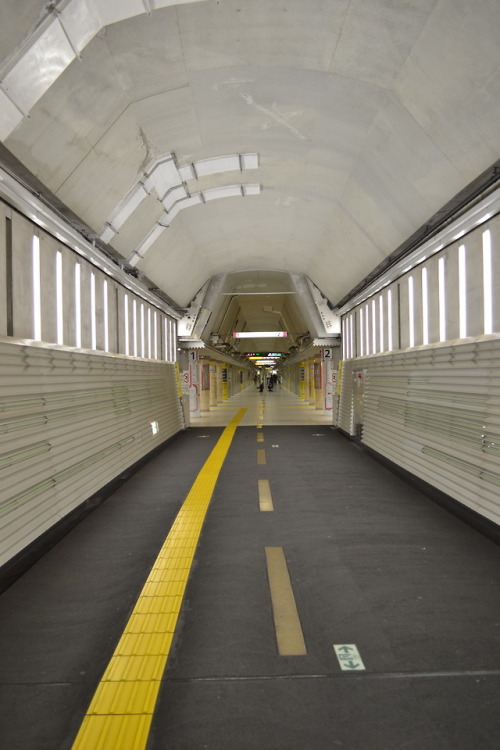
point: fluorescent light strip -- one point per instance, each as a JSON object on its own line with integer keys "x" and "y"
{"x": 143, "y": 342}
{"x": 105, "y": 316}
{"x": 487, "y": 283}
{"x": 351, "y": 326}
{"x": 149, "y": 333}
{"x": 59, "y": 299}
{"x": 37, "y": 298}
{"x": 411, "y": 313}
{"x": 389, "y": 320}
{"x": 259, "y": 334}
{"x": 134, "y": 326}
{"x": 78, "y": 305}
{"x": 442, "y": 298}
{"x": 155, "y": 334}
{"x": 381, "y": 321}
{"x": 126, "y": 325}
{"x": 374, "y": 327}
{"x": 367, "y": 328}
{"x": 462, "y": 291}
{"x": 361, "y": 331}
{"x": 425, "y": 307}
{"x": 93, "y": 322}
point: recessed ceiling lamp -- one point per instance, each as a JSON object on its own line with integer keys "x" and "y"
{"x": 259, "y": 334}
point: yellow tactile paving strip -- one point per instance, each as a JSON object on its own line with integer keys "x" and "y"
{"x": 121, "y": 711}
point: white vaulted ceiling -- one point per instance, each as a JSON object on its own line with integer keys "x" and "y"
{"x": 365, "y": 116}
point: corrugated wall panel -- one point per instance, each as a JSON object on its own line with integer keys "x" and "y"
{"x": 346, "y": 410}
{"x": 436, "y": 413}
{"x": 70, "y": 422}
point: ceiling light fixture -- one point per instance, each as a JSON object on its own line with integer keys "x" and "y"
{"x": 259, "y": 334}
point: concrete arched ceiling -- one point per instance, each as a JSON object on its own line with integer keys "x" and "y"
{"x": 367, "y": 116}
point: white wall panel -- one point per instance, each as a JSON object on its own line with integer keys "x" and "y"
{"x": 474, "y": 287}
{"x": 48, "y": 250}
{"x": 433, "y": 299}
{"x": 401, "y": 293}
{"x": 68, "y": 271}
{"x": 346, "y": 406}
{"x": 70, "y": 422}
{"x": 451, "y": 284}
{"x": 435, "y": 412}
{"x": 417, "y": 306}
{"x": 494, "y": 226}
{"x": 22, "y": 278}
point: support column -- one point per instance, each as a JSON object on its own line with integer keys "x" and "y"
{"x": 204, "y": 386}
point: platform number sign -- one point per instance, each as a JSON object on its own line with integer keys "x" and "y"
{"x": 194, "y": 382}
{"x": 327, "y": 364}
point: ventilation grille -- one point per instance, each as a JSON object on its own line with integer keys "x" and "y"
{"x": 70, "y": 422}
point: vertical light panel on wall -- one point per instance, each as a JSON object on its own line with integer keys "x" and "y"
{"x": 93, "y": 321}
{"x": 126, "y": 325}
{"x": 149, "y": 333}
{"x": 411, "y": 312}
{"x": 367, "y": 328}
{"x": 165, "y": 339}
{"x": 389, "y": 320}
{"x": 381, "y": 321}
{"x": 105, "y": 314}
{"x": 155, "y": 334}
{"x": 345, "y": 349}
{"x": 361, "y": 331}
{"x": 143, "y": 341}
{"x": 462, "y": 292}
{"x": 374, "y": 327}
{"x": 442, "y": 298}
{"x": 134, "y": 326}
{"x": 36, "y": 291}
{"x": 59, "y": 299}
{"x": 425, "y": 307}
{"x": 487, "y": 283}
{"x": 351, "y": 335}
{"x": 78, "y": 305}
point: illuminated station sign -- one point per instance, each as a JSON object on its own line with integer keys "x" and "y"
{"x": 263, "y": 359}
{"x": 259, "y": 355}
